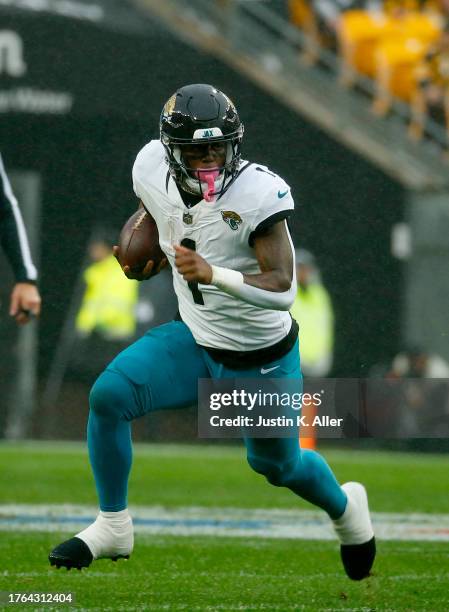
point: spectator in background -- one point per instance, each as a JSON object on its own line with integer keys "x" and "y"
{"x": 109, "y": 301}
{"x": 302, "y": 16}
{"x": 422, "y": 399}
{"x": 319, "y": 20}
{"x": 411, "y": 402}
{"x": 328, "y": 13}
{"x": 415, "y": 362}
{"x": 106, "y": 319}
{"x": 432, "y": 94}
{"x": 25, "y": 300}
{"x": 313, "y": 311}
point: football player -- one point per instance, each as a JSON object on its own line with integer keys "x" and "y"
{"x": 222, "y": 224}
{"x": 25, "y": 301}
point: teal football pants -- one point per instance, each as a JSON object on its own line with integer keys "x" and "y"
{"x": 160, "y": 372}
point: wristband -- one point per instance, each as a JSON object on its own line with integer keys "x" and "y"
{"x": 232, "y": 282}
{"x": 228, "y": 280}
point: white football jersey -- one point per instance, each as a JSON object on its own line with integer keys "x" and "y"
{"x": 220, "y": 231}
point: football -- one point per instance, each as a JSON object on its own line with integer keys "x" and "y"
{"x": 139, "y": 242}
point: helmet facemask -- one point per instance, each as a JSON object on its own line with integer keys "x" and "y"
{"x": 208, "y": 182}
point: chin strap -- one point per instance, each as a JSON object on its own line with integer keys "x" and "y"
{"x": 209, "y": 177}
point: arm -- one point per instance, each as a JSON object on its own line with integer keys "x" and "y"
{"x": 25, "y": 299}
{"x": 418, "y": 102}
{"x": 446, "y": 109}
{"x": 417, "y": 117}
{"x": 275, "y": 257}
{"x": 273, "y": 288}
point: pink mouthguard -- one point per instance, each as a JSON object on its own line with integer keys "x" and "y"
{"x": 209, "y": 177}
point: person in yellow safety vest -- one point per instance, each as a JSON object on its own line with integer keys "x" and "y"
{"x": 313, "y": 311}
{"x": 109, "y": 301}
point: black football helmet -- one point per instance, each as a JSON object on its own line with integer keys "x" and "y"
{"x": 199, "y": 114}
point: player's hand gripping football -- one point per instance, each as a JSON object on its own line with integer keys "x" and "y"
{"x": 144, "y": 273}
{"x": 192, "y": 266}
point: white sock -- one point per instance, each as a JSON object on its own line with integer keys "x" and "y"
{"x": 354, "y": 526}
{"x": 110, "y": 535}
{"x": 116, "y": 518}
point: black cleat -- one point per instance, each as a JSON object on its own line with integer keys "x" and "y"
{"x": 71, "y": 553}
{"x": 120, "y": 557}
{"x": 355, "y": 531}
{"x": 358, "y": 559}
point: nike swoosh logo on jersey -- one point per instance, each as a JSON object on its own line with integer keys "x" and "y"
{"x": 281, "y": 194}
{"x": 265, "y": 371}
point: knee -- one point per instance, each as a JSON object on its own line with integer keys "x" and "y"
{"x": 278, "y": 473}
{"x": 111, "y": 396}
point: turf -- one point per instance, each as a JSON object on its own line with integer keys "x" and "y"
{"x": 206, "y": 573}
{"x": 177, "y": 475}
{"x": 175, "y": 573}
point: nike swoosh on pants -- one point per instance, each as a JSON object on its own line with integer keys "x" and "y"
{"x": 265, "y": 371}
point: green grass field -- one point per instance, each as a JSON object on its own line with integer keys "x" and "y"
{"x": 212, "y": 573}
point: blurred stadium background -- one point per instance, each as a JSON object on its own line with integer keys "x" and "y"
{"x": 348, "y": 101}
{"x": 82, "y": 85}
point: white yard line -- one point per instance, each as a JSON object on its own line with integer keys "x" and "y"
{"x": 223, "y": 522}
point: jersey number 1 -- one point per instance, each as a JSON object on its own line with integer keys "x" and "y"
{"x": 193, "y": 286}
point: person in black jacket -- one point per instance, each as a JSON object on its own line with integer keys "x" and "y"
{"x": 25, "y": 300}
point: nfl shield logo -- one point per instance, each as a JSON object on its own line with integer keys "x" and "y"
{"x": 187, "y": 218}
